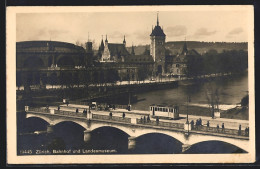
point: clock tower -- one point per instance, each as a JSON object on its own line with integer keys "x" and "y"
{"x": 157, "y": 49}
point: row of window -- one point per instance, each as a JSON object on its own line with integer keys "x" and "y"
{"x": 162, "y": 109}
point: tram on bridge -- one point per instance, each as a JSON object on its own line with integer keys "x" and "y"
{"x": 164, "y": 111}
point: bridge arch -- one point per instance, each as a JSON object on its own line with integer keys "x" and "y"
{"x": 126, "y": 130}
{"x": 54, "y": 121}
{"x": 241, "y": 143}
{"x": 33, "y": 62}
{"x": 64, "y": 60}
{"x": 214, "y": 146}
{"x": 179, "y": 136}
{"x": 81, "y": 123}
{"x": 48, "y": 120}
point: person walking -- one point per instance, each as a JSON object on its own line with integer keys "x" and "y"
{"x": 192, "y": 124}
{"x": 239, "y": 129}
{"x": 110, "y": 115}
{"x": 148, "y": 119}
{"x": 223, "y": 128}
{"x": 123, "y": 115}
{"x": 208, "y": 123}
{"x": 217, "y": 128}
{"x": 144, "y": 119}
{"x": 157, "y": 121}
{"x": 197, "y": 124}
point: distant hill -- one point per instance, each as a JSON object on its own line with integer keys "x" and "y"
{"x": 200, "y": 47}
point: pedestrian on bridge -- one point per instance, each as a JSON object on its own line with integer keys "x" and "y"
{"x": 114, "y": 107}
{"x": 239, "y": 129}
{"x": 157, "y": 120}
{"x": 84, "y": 111}
{"x": 141, "y": 120}
{"x": 208, "y": 123}
{"x": 58, "y": 107}
{"x": 148, "y": 119}
{"x": 77, "y": 110}
{"x": 192, "y": 124}
{"x": 223, "y": 128}
{"x": 144, "y": 119}
{"x": 217, "y": 127}
{"x": 247, "y": 131}
{"x": 197, "y": 124}
{"x": 200, "y": 122}
{"x": 110, "y": 115}
{"x": 123, "y": 115}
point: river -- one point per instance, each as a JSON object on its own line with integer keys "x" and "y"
{"x": 69, "y": 136}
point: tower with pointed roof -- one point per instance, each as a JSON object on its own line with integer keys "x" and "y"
{"x": 133, "y": 50}
{"x": 157, "y": 49}
{"x": 124, "y": 42}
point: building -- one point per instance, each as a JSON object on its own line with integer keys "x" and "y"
{"x": 113, "y": 52}
{"x": 47, "y": 54}
{"x": 157, "y": 49}
{"x": 181, "y": 62}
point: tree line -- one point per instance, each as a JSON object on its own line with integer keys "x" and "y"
{"x": 212, "y": 62}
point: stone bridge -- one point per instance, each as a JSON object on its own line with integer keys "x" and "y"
{"x": 133, "y": 128}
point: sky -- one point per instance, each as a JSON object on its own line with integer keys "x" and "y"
{"x": 211, "y": 26}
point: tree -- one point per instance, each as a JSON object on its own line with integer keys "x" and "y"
{"x": 212, "y": 98}
{"x": 245, "y": 101}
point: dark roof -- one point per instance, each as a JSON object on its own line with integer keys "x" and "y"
{"x": 183, "y": 58}
{"x": 146, "y": 51}
{"x": 157, "y": 31}
{"x": 184, "y": 49}
{"x": 117, "y": 49}
{"x": 139, "y": 58}
{"x": 169, "y": 58}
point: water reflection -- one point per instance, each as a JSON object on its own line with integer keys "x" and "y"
{"x": 231, "y": 90}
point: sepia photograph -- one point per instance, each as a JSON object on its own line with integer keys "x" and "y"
{"x": 130, "y": 84}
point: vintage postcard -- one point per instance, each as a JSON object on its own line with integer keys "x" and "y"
{"x": 130, "y": 84}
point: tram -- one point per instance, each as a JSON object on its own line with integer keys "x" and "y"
{"x": 164, "y": 111}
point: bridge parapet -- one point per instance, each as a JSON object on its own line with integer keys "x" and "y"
{"x": 222, "y": 131}
{"x": 112, "y": 118}
{"x": 161, "y": 123}
{"x": 138, "y": 122}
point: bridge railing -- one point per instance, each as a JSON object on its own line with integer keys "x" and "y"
{"x": 224, "y": 131}
{"x": 112, "y": 118}
{"x": 69, "y": 113}
{"x": 41, "y": 110}
{"x": 162, "y": 124}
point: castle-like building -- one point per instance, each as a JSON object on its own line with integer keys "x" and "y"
{"x": 157, "y": 60}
